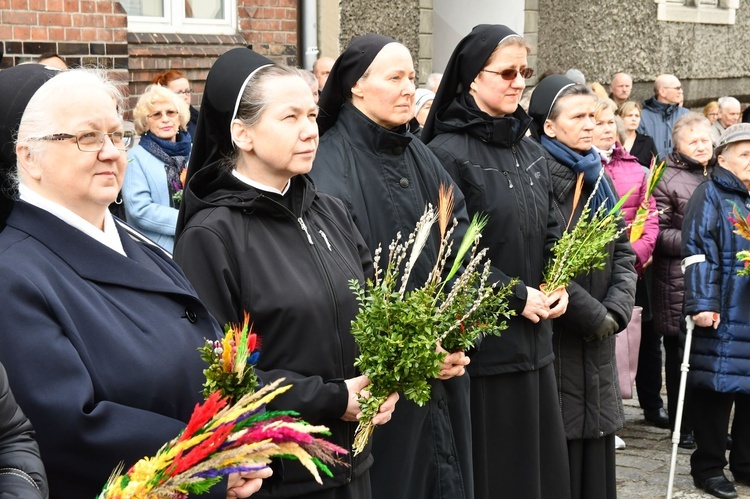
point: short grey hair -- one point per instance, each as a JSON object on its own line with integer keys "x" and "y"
{"x": 727, "y": 101}
{"x": 689, "y": 120}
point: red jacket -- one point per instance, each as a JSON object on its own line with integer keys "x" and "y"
{"x": 626, "y": 172}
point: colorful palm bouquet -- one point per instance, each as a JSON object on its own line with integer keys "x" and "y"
{"x": 398, "y": 331}
{"x": 230, "y": 433}
{"x": 231, "y": 360}
{"x": 742, "y": 228}
{"x": 656, "y": 171}
{"x": 583, "y": 247}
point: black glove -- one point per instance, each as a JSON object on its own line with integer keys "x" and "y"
{"x": 607, "y": 328}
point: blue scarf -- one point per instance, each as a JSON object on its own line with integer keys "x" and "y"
{"x": 173, "y": 154}
{"x": 590, "y": 164}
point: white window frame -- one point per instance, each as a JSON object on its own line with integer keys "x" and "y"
{"x": 174, "y": 21}
{"x": 696, "y": 11}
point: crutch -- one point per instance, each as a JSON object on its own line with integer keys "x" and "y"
{"x": 684, "y": 367}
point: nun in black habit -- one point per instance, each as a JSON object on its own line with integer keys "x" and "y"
{"x": 17, "y": 85}
{"x": 478, "y": 131}
{"x": 255, "y": 236}
{"x": 386, "y": 177}
{"x": 601, "y": 302}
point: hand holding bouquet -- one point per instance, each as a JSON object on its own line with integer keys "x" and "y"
{"x": 230, "y": 433}
{"x": 399, "y": 331}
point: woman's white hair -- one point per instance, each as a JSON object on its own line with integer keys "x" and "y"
{"x": 38, "y": 119}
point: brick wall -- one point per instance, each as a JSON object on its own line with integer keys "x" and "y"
{"x": 268, "y": 26}
{"x": 94, "y": 33}
{"x": 83, "y": 32}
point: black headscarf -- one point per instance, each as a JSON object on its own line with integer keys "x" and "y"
{"x": 348, "y": 68}
{"x": 544, "y": 96}
{"x": 17, "y": 85}
{"x": 467, "y": 60}
{"x": 224, "y": 85}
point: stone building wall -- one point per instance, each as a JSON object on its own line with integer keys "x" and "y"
{"x": 602, "y": 37}
{"x": 399, "y": 19}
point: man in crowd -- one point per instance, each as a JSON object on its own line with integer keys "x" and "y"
{"x": 661, "y": 111}
{"x": 730, "y": 113}
{"x": 321, "y": 70}
{"x": 620, "y": 88}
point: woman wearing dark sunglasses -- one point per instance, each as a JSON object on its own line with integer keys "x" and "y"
{"x": 478, "y": 131}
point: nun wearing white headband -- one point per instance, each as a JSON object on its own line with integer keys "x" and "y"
{"x": 257, "y": 237}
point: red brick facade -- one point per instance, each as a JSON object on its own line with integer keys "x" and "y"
{"x": 94, "y": 33}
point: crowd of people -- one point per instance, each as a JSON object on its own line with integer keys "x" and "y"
{"x": 274, "y": 197}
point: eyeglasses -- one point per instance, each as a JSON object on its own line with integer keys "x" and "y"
{"x": 674, "y": 88}
{"x": 158, "y": 114}
{"x": 184, "y": 92}
{"x": 511, "y": 74}
{"x": 93, "y": 140}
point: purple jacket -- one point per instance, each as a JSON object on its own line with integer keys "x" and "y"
{"x": 672, "y": 194}
{"x": 626, "y": 172}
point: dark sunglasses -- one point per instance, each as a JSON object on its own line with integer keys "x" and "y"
{"x": 511, "y": 74}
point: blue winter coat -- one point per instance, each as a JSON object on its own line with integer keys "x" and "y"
{"x": 657, "y": 120}
{"x": 720, "y": 358}
{"x": 146, "y": 198}
{"x": 100, "y": 348}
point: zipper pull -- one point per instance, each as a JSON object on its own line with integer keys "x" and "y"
{"x": 325, "y": 238}
{"x": 304, "y": 227}
{"x": 507, "y": 177}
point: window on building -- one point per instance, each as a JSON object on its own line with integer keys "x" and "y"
{"x": 698, "y": 11}
{"x": 181, "y": 16}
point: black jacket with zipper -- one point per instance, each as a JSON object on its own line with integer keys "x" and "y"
{"x": 245, "y": 250}
{"x": 587, "y": 378}
{"x": 22, "y": 473}
{"x": 504, "y": 174}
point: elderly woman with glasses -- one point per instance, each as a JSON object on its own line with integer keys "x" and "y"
{"x": 153, "y": 185}
{"x": 99, "y": 330}
{"x": 177, "y": 82}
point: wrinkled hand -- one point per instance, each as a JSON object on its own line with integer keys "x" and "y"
{"x": 246, "y": 484}
{"x": 707, "y": 319}
{"x": 557, "y": 303}
{"x": 536, "y": 307}
{"x": 454, "y": 364}
{"x": 607, "y": 328}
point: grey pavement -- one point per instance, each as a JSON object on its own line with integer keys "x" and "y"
{"x": 643, "y": 466}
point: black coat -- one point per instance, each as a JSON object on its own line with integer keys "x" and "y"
{"x": 100, "y": 348}
{"x": 587, "y": 375}
{"x": 504, "y": 174}
{"x": 21, "y": 470}
{"x": 643, "y": 149}
{"x": 386, "y": 178}
{"x": 287, "y": 263}
{"x": 672, "y": 194}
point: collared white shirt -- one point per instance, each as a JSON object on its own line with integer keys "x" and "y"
{"x": 258, "y": 185}
{"x": 109, "y": 237}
